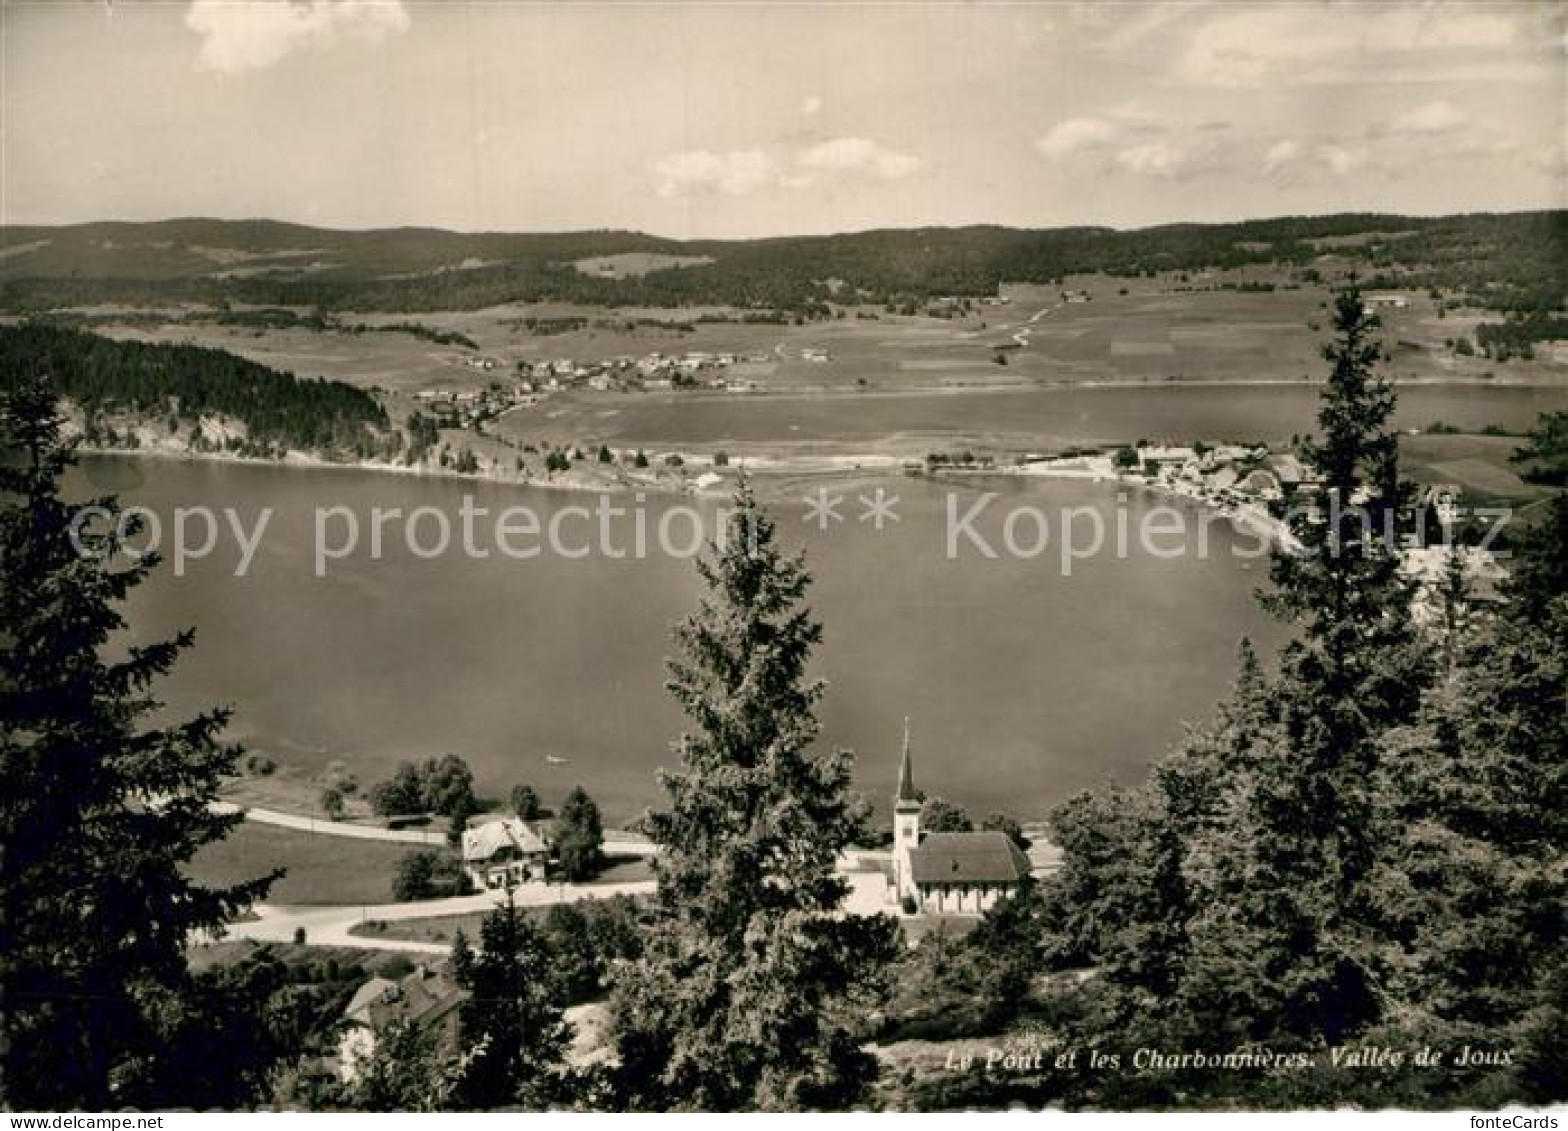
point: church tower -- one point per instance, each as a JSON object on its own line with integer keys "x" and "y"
{"x": 906, "y": 825}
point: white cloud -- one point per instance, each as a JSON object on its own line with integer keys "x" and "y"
{"x": 742, "y": 171}
{"x": 1434, "y": 117}
{"x": 1134, "y": 140}
{"x": 1280, "y": 157}
{"x": 247, "y": 35}
{"x": 735, "y": 173}
{"x": 811, "y": 105}
{"x": 1341, "y": 159}
{"x": 858, "y": 155}
{"x": 1309, "y": 43}
{"x": 1154, "y": 159}
{"x": 1075, "y": 135}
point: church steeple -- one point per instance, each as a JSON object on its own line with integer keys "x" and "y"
{"x": 906, "y": 795}
{"x": 906, "y": 827}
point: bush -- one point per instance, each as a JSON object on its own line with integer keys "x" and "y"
{"x": 526, "y": 803}
{"x": 444, "y": 786}
{"x": 586, "y": 940}
{"x": 579, "y": 842}
{"x": 258, "y": 765}
{"x": 429, "y": 874}
{"x": 332, "y": 803}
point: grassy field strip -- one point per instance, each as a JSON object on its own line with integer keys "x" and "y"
{"x": 620, "y": 842}
{"x": 332, "y": 828}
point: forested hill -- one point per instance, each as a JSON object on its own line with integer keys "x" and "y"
{"x": 185, "y": 383}
{"x": 1514, "y": 261}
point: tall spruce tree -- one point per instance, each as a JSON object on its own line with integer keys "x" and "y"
{"x": 752, "y": 985}
{"x": 512, "y": 1024}
{"x": 1309, "y": 821}
{"x": 101, "y": 808}
{"x": 1237, "y": 896}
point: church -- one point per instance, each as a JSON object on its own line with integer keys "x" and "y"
{"x": 948, "y": 873}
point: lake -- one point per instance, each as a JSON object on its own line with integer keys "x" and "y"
{"x": 1044, "y": 417}
{"x": 1024, "y": 685}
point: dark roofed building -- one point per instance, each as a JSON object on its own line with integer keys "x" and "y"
{"x": 965, "y": 873}
{"x": 968, "y": 858}
{"x": 948, "y": 873}
{"x": 424, "y": 998}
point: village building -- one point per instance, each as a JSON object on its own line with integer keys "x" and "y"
{"x": 423, "y": 999}
{"x": 1427, "y": 568}
{"x": 1445, "y": 502}
{"x": 1263, "y": 484}
{"x": 1152, "y": 457}
{"x": 948, "y": 873}
{"x": 510, "y": 851}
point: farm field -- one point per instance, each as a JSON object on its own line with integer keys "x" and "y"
{"x": 1479, "y": 465}
{"x": 321, "y": 869}
{"x": 1162, "y": 330}
{"x": 436, "y": 929}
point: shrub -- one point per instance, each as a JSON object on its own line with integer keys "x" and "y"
{"x": 429, "y": 874}
{"x": 259, "y": 765}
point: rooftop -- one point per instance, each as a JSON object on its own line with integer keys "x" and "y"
{"x": 968, "y": 858}
{"x": 417, "y": 999}
{"x": 527, "y": 837}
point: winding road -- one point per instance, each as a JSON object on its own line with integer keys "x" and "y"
{"x": 332, "y": 925}
{"x": 616, "y": 842}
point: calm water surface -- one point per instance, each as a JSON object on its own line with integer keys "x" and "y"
{"x": 1054, "y": 416}
{"x": 1024, "y": 685}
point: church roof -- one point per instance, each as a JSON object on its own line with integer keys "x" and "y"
{"x": 968, "y": 858}
{"x": 906, "y": 776}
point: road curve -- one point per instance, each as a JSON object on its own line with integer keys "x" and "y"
{"x": 331, "y": 926}
{"x": 616, "y": 842}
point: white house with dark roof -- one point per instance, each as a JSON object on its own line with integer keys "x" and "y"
{"x": 948, "y": 873}
{"x": 509, "y": 851}
{"x": 424, "y": 999}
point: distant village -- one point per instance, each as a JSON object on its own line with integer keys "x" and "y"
{"x": 1256, "y": 487}
{"x": 651, "y": 373}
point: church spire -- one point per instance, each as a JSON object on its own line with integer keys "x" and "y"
{"x": 906, "y": 779}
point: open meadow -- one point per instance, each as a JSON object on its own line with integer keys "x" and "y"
{"x": 320, "y": 868}
{"x": 1161, "y": 329}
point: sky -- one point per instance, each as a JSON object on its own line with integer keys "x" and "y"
{"x": 724, "y": 120}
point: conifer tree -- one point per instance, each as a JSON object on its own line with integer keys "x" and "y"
{"x": 1476, "y": 878}
{"x": 512, "y": 1024}
{"x": 748, "y": 991}
{"x": 1235, "y": 896}
{"x": 101, "y": 808}
{"x": 1309, "y": 822}
{"x": 580, "y": 840}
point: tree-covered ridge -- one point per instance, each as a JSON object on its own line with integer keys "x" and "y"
{"x": 1364, "y": 848}
{"x": 1508, "y": 262}
{"x": 279, "y": 411}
